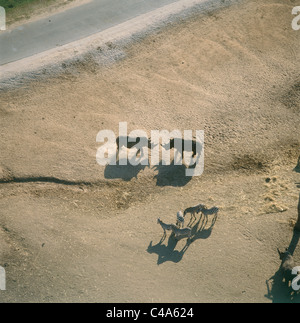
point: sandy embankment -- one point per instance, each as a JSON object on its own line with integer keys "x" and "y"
{"x": 73, "y": 231}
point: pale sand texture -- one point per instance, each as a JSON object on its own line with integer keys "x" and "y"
{"x": 71, "y": 230}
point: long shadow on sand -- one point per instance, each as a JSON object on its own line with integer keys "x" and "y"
{"x": 168, "y": 253}
{"x": 124, "y": 172}
{"x": 174, "y": 175}
{"x": 168, "y": 175}
{"x": 279, "y": 290}
{"x": 171, "y": 175}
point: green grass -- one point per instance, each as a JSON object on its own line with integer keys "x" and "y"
{"x": 23, "y": 9}
{"x": 11, "y": 4}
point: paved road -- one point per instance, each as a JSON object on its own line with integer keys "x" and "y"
{"x": 70, "y": 25}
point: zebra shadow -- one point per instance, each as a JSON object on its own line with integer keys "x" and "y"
{"x": 200, "y": 229}
{"x": 174, "y": 175}
{"x": 279, "y": 290}
{"x": 168, "y": 175}
{"x": 124, "y": 172}
{"x": 171, "y": 175}
{"x": 169, "y": 253}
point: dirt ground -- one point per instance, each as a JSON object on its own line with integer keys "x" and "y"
{"x": 73, "y": 231}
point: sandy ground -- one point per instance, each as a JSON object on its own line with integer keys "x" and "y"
{"x": 71, "y": 230}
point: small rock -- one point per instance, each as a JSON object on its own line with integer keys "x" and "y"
{"x": 275, "y": 208}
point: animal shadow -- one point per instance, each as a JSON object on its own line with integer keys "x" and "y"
{"x": 279, "y": 290}
{"x": 169, "y": 253}
{"x": 200, "y": 230}
{"x": 171, "y": 175}
{"x": 124, "y": 172}
{"x": 129, "y": 171}
{"x": 168, "y": 175}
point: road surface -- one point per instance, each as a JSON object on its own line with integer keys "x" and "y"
{"x": 70, "y": 25}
